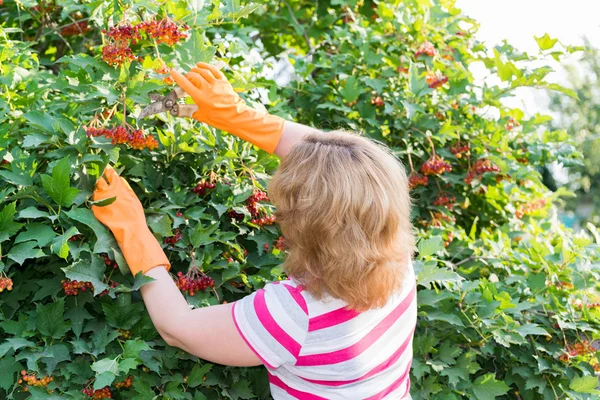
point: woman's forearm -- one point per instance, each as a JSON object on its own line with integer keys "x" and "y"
{"x": 164, "y": 302}
{"x": 292, "y": 134}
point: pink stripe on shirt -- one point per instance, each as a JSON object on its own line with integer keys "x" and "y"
{"x": 404, "y": 379}
{"x": 269, "y": 323}
{"x": 295, "y": 293}
{"x": 331, "y": 318}
{"x": 293, "y": 392}
{"x": 362, "y": 345}
{"x": 246, "y": 340}
{"x": 380, "y": 368}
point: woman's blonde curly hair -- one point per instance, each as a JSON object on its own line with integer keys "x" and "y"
{"x": 343, "y": 205}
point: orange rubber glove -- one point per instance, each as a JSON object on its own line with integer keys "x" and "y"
{"x": 220, "y": 106}
{"x": 125, "y": 218}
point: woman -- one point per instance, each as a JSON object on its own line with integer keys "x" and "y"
{"x": 341, "y": 326}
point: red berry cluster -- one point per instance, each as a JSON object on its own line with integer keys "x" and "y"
{"x": 5, "y": 283}
{"x": 267, "y": 247}
{"x": 252, "y": 201}
{"x": 201, "y": 188}
{"x": 125, "y": 135}
{"x": 426, "y": 48}
{"x": 73, "y": 288}
{"x": 268, "y": 220}
{"x": 236, "y": 215}
{"x": 510, "y": 125}
{"x": 280, "y": 244}
{"x": 125, "y": 384}
{"x": 460, "y": 148}
{"x": 164, "y": 31}
{"x": 76, "y": 28}
{"x": 193, "y": 282}
{"x": 32, "y": 380}
{"x": 480, "y": 167}
{"x": 435, "y": 80}
{"x": 123, "y": 35}
{"x": 444, "y": 200}
{"x": 415, "y": 179}
{"x": 402, "y": 70}
{"x": 530, "y": 207}
{"x": 578, "y": 349}
{"x": 435, "y": 166}
{"x": 377, "y": 101}
{"x": 109, "y": 263}
{"x": 164, "y": 69}
{"x": 75, "y": 238}
{"x": 103, "y": 393}
{"x": 173, "y": 239}
{"x": 116, "y": 54}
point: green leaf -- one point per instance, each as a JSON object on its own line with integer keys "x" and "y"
{"x": 41, "y": 233}
{"x": 40, "y": 120}
{"x": 103, "y": 202}
{"x": 121, "y": 313}
{"x": 412, "y": 109}
{"x": 486, "y": 387}
{"x": 24, "y": 251}
{"x": 241, "y": 390}
{"x": 58, "y": 186}
{"x": 127, "y": 364}
{"x": 417, "y": 83}
{"x": 351, "y": 89}
{"x": 104, "y": 379}
{"x": 77, "y": 315}
{"x": 545, "y": 42}
{"x": 430, "y": 246}
{"x": 133, "y": 348}
{"x": 9, "y": 368}
{"x": 139, "y": 280}
{"x": 431, "y": 273}
{"x": 196, "y": 48}
{"x": 7, "y": 226}
{"x": 531, "y": 329}
{"x": 104, "y": 239}
{"x": 160, "y": 224}
{"x": 86, "y": 271}
{"x": 101, "y": 338}
{"x": 50, "y": 319}
{"x": 14, "y": 344}
{"x": 196, "y": 376}
{"x": 106, "y": 365}
{"x": 585, "y": 384}
{"x": 32, "y": 212}
{"x": 201, "y": 236}
{"x": 60, "y": 245}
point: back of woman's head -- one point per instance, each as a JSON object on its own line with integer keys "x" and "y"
{"x": 343, "y": 206}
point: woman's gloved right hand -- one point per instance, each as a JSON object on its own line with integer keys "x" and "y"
{"x": 221, "y": 107}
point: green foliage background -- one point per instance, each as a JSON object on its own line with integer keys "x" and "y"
{"x": 505, "y": 290}
{"x": 580, "y": 117}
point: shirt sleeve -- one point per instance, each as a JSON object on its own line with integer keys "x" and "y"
{"x": 273, "y": 321}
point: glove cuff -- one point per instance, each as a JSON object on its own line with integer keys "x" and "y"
{"x": 257, "y": 127}
{"x": 142, "y": 251}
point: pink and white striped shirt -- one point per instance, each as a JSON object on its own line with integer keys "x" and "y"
{"x": 319, "y": 349}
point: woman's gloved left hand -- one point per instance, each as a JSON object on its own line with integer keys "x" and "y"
{"x": 125, "y": 218}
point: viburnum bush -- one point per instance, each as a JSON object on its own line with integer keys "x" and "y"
{"x": 508, "y": 303}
